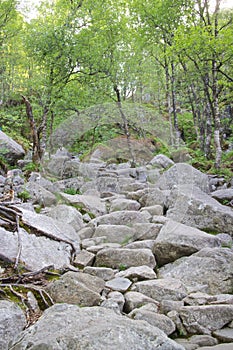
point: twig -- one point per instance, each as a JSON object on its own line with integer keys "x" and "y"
{"x": 19, "y": 243}
{"x": 34, "y": 273}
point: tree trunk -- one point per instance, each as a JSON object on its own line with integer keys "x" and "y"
{"x": 125, "y": 124}
{"x": 36, "y": 150}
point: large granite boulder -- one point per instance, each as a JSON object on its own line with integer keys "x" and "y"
{"x": 12, "y": 322}
{"x": 183, "y": 174}
{"x": 176, "y": 240}
{"x": 124, "y": 258}
{"x": 115, "y": 233}
{"x": 67, "y": 214}
{"x": 202, "y": 319}
{"x": 191, "y": 206}
{"x": 10, "y": 150}
{"x": 209, "y": 270}
{"x": 78, "y": 288}
{"x": 65, "y": 326}
{"x": 88, "y": 203}
{"x": 160, "y": 289}
{"x": 36, "y": 252}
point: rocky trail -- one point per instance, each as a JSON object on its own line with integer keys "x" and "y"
{"x": 105, "y": 256}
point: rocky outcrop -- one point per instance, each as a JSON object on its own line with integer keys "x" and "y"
{"x": 70, "y": 327}
{"x": 10, "y": 150}
{"x": 129, "y": 262}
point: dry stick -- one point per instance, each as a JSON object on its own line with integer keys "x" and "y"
{"x": 19, "y": 243}
{"x": 40, "y": 291}
{"x": 34, "y": 273}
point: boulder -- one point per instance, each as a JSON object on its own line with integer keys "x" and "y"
{"x": 119, "y": 284}
{"x": 77, "y": 288}
{"x": 161, "y": 161}
{"x": 176, "y": 240}
{"x": 202, "y": 319}
{"x": 56, "y": 230}
{"x": 123, "y": 217}
{"x": 67, "y": 214}
{"x": 106, "y": 273}
{"x": 124, "y": 204}
{"x": 124, "y": 258}
{"x": 118, "y": 298}
{"x": 10, "y": 150}
{"x": 138, "y": 273}
{"x": 91, "y": 328}
{"x": 160, "y": 289}
{"x": 39, "y": 195}
{"x": 134, "y": 300}
{"x": 149, "y": 313}
{"x": 191, "y": 206}
{"x": 183, "y": 174}
{"x": 145, "y": 231}
{"x": 224, "y": 335}
{"x": 36, "y": 252}
{"x": 224, "y": 195}
{"x": 87, "y": 203}
{"x": 209, "y": 271}
{"x": 83, "y": 259}
{"x": 115, "y": 233}
{"x": 12, "y": 322}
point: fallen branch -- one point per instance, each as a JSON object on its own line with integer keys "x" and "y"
{"x": 19, "y": 243}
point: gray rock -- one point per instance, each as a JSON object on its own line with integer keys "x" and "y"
{"x": 106, "y": 273}
{"x": 77, "y": 288}
{"x": 12, "y": 322}
{"x": 119, "y": 284}
{"x": 146, "y": 244}
{"x": 118, "y": 298}
{"x": 68, "y": 215}
{"x": 203, "y": 320}
{"x": 146, "y": 230}
{"x": 124, "y": 217}
{"x": 153, "y": 196}
{"x": 166, "y": 288}
{"x": 115, "y": 233}
{"x": 107, "y": 183}
{"x": 125, "y": 258}
{"x": 182, "y": 174}
{"x": 218, "y": 347}
{"x": 83, "y": 259}
{"x": 135, "y": 300}
{"x": 209, "y": 271}
{"x": 9, "y": 149}
{"x": 149, "y": 313}
{"x": 224, "y": 195}
{"x": 199, "y": 298}
{"x": 124, "y": 204}
{"x": 138, "y": 273}
{"x": 39, "y": 195}
{"x": 176, "y": 240}
{"x": 99, "y": 328}
{"x": 170, "y": 305}
{"x": 161, "y": 161}
{"x": 203, "y": 340}
{"x": 36, "y": 252}
{"x": 89, "y": 203}
{"x": 224, "y": 335}
{"x": 154, "y": 209}
{"x": 191, "y": 206}
{"x": 51, "y": 228}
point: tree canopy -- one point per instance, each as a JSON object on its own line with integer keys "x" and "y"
{"x": 174, "y": 57}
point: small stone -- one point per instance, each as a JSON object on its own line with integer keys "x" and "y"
{"x": 84, "y": 259}
{"x": 119, "y": 284}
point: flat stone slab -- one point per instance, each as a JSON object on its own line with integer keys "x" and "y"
{"x": 119, "y": 284}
